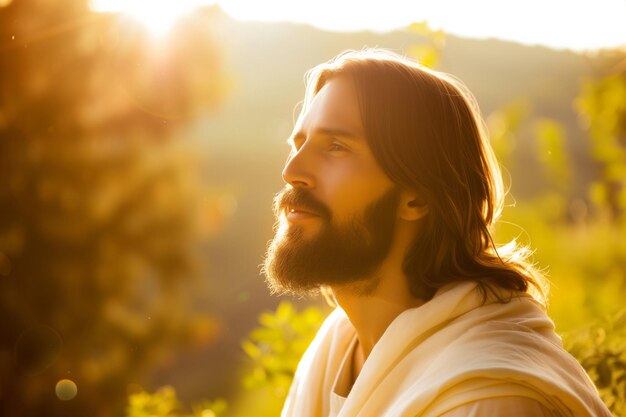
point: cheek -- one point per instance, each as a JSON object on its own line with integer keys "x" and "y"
{"x": 352, "y": 187}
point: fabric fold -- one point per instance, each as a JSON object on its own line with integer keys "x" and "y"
{"x": 450, "y": 351}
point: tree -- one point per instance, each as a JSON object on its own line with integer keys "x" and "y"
{"x": 100, "y": 201}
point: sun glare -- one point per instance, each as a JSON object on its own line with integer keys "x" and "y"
{"x": 158, "y": 17}
{"x": 550, "y": 27}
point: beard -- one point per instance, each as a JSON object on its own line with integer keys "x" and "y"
{"x": 338, "y": 254}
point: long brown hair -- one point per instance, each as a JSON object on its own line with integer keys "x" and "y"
{"x": 426, "y": 132}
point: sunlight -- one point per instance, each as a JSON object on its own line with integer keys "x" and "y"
{"x": 585, "y": 25}
{"x": 534, "y": 22}
{"x": 157, "y": 17}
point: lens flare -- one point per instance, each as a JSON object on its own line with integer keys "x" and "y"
{"x": 66, "y": 390}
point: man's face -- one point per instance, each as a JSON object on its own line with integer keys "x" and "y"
{"x": 337, "y": 213}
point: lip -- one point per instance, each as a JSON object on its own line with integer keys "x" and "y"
{"x": 297, "y": 214}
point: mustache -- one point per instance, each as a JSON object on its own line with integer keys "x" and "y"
{"x": 302, "y": 198}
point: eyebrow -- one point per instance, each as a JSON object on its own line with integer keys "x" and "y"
{"x": 325, "y": 131}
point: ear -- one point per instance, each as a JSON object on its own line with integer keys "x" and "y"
{"x": 412, "y": 206}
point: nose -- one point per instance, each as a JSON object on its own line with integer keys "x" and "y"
{"x": 298, "y": 171}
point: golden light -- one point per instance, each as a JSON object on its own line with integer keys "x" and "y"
{"x": 158, "y": 17}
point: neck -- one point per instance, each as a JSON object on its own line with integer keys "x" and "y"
{"x": 372, "y": 313}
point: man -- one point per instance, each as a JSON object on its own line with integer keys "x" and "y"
{"x": 392, "y": 191}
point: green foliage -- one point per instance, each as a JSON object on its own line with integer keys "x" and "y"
{"x": 602, "y": 107}
{"x": 278, "y": 344}
{"x": 164, "y": 403}
{"x": 428, "y": 53}
{"x": 273, "y": 350}
{"x": 550, "y": 135}
{"x": 503, "y": 126}
{"x": 601, "y": 350}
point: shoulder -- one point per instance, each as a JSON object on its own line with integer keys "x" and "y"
{"x": 511, "y": 406}
{"x": 331, "y": 339}
{"x": 319, "y": 365}
{"x": 335, "y": 326}
{"x": 514, "y": 345}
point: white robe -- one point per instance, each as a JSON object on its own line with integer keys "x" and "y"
{"x": 451, "y": 352}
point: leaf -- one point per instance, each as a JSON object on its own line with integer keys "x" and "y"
{"x": 251, "y": 349}
{"x": 426, "y": 55}
{"x": 284, "y": 311}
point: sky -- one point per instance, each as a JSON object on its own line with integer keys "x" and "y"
{"x": 570, "y": 24}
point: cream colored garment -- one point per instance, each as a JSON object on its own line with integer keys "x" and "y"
{"x": 498, "y": 407}
{"x": 450, "y": 352}
{"x": 488, "y": 407}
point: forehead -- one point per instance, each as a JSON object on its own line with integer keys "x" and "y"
{"x": 334, "y": 108}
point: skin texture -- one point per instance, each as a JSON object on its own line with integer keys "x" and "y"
{"x": 337, "y": 212}
{"x": 341, "y": 173}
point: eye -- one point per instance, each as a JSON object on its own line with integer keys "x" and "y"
{"x": 337, "y": 147}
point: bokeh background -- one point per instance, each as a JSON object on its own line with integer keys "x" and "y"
{"x": 140, "y": 148}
